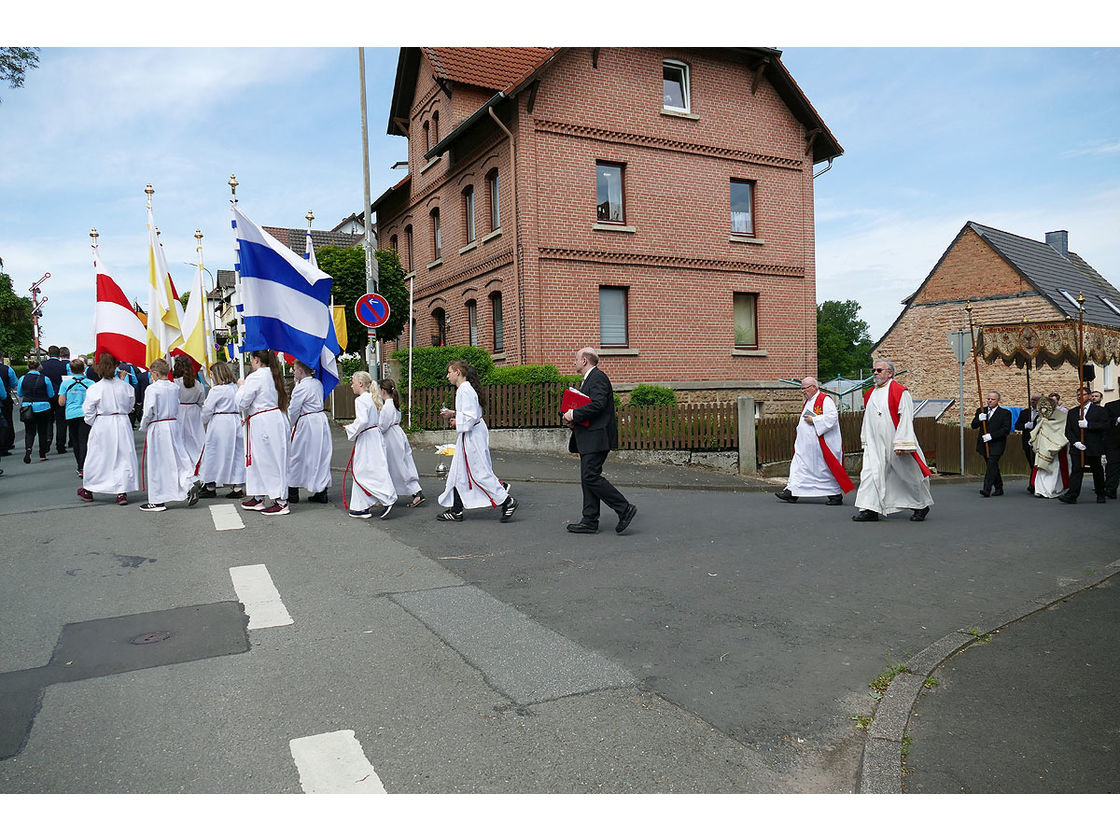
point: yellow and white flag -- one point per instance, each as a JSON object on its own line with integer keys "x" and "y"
{"x": 193, "y": 325}
{"x": 164, "y": 332}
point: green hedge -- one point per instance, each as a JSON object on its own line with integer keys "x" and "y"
{"x": 652, "y": 395}
{"x": 526, "y": 374}
{"x": 429, "y": 364}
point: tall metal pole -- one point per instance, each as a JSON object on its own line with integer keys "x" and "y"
{"x": 1081, "y": 368}
{"x": 961, "y": 401}
{"x": 373, "y": 349}
{"x": 237, "y": 291}
{"x": 979, "y": 390}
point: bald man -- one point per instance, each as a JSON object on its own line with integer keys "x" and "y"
{"x": 817, "y": 468}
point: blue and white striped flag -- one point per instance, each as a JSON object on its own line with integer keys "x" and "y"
{"x": 309, "y": 250}
{"x": 286, "y": 301}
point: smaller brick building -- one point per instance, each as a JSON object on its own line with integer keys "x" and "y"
{"x": 1009, "y": 279}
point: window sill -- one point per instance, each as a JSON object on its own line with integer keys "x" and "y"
{"x": 614, "y": 228}
{"x": 758, "y": 353}
{"x": 470, "y": 247}
{"x": 745, "y": 240}
{"x": 430, "y": 164}
{"x": 492, "y": 235}
{"x": 410, "y": 275}
{"x": 498, "y": 357}
{"x": 665, "y": 112}
{"x": 435, "y": 264}
{"x": 618, "y": 351}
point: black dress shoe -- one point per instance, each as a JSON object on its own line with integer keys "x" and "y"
{"x": 1111, "y": 494}
{"x": 786, "y": 496}
{"x": 320, "y": 497}
{"x": 998, "y": 491}
{"x": 1067, "y": 499}
{"x": 582, "y": 528}
{"x": 1100, "y": 500}
{"x": 866, "y": 516}
{"x": 1030, "y": 489}
{"x": 293, "y": 495}
{"x": 625, "y": 519}
{"x": 985, "y": 493}
{"x": 835, "y": 500}
{"x": 919, "y": 515}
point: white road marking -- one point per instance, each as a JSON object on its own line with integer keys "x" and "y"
{"x": 255, "y": 590}
{"x": 226, "y": 517}
{"x": 333, "y": 762}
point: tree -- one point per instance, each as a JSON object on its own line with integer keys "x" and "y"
{"x": 347, "y": 266}
{"x": 16, "y": 334}
{"x": 843, "y": 341}
{"x": 15, "y": 62}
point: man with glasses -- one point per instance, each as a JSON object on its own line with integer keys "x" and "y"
{"x": 817, "y": 468}
{"x": 894, "y": 475}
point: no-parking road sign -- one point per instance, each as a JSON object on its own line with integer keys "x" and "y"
{"x": 372, "y": 310}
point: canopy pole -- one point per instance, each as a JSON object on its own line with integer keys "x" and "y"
{"x": 979, "y": 390}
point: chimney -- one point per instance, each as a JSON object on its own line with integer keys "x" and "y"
{"x": 1059, "y": 241}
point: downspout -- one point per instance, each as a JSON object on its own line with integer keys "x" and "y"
{"x": 516, "y": 226}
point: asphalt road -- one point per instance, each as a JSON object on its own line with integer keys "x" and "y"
{"x": 724, "y": 643}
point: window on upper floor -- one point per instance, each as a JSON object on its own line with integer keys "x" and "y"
{"x": 468, "y": 215}
{"x": 608, "y": 192}
{"x": 495, "y": 204}
{"x": 675, "y": 86}
{"x": 745, "y": 313}
{"x": 427, "y": 136}
{"x": 496, "y": 316}
{"x": 439, "y": 328}
{"x": 393, "y": 244}
{"x": 613, "y": 330}
{"x": 437, "y": 237}
{"x": 742, "y": 207}
{"x": 408, "y": 247}
{"x": 435, "y": 127}
{"x": 472, "y": 322}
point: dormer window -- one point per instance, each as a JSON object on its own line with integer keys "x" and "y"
{"x": 675, "y": 86}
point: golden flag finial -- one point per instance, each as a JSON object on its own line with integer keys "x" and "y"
{"x": 232, "y": 184}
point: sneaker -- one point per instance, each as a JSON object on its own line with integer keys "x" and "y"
{"x": 42, "y": 457}
{"x": 235, "y": 494}
{"x": 27, "y": 458}
{"x": 253, "y": 503}
{"x": 450, "y": 516}
{"x": 193, "y": 493}
{"x": 277, "y": 510}
{"x": 385, "y": 513}
{"x": 150, "y": 508}
{"x": 85, "y": 495}
{"x": 508, "y": 508}
{"x": 360, "y": 514}
{"x": 207, "y": 493}
{"x": 320, "y": 497}
{"x": 122, "y": 499}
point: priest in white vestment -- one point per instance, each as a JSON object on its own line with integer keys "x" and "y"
{"x": 894, "y": 476}
{"x": 817, "y": 468}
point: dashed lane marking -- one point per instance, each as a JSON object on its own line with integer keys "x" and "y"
{"x": 255, "y": 589}
{"x": 226, "y": 517}
{"x": 333, "y": 762}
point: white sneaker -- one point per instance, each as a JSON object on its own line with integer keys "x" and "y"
{"x": 147, "y": 507}
{"x": 385, "y": 513}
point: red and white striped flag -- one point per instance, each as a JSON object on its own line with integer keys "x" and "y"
{"x": 118, "y": 330}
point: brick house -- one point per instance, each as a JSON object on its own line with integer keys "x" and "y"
{"x": 1013, "y": 282}
{"x": 654, "y": 203}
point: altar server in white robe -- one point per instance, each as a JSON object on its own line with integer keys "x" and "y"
{"x": 368, "y": 465}
{"x": 471, "y": 482}
{"x": 262, "y": 398}
{"x": 191, "y": 397}
{"x": 310, "y": 447}
{"x": 398, "y": 451}
{"x": 894, "y": 475}
{"x": 111, "y": 465}
{"x": 817, "y": 468}
{"x": 1050, "y": 477}
{"x": 168, "y": 471}
{"x": 223, "y": 454}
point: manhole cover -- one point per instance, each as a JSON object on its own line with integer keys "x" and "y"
{"x": 150, "y": 638}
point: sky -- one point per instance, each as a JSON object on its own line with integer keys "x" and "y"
{"x": 1022, "y": 139}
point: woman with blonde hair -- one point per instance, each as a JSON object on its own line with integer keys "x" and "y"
{"x": 110, "y": 465}
{"x": 191, "y": 395}
{"x": 310, "y": 447}
{"x": 398, "y": 451}
{"x": 368, "y": 466}
{"x": 167, "y": 469}
{"x": 223, "y": 454}
{"x": 263, "y": 400}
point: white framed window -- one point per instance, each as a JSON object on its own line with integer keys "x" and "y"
{"x": 675, "y": 86}
{"x": 608, "y": 192}
{"x": 496, "y": 315}
{"x": 1066, "y": 294}
{"x": 468, "y": 214}
{"x": 742, "y": 207}
{"x": 1109, "y": 304}
{"x": 745, "y": 313}
{"x": 495, "y": 204}
{"x": 613, "y": 330}
{"x": 472, "y": 322}
{"x": 1108, "y": 377}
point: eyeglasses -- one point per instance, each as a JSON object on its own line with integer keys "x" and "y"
{"x": 877, "y": 370}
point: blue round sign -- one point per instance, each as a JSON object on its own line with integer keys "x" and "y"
{"x": 372, "y": 310}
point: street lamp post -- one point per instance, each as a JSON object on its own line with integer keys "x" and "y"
{"x": 36, "y": 308}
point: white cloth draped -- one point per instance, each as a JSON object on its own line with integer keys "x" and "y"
{"x": 1048, "y": 439}
{"x": 223, "y": 456}
{"x": 310, "y": 448}
{"x": 471, "y": 472}
{"x": 111, "y": 465}
{"x": 168, "y": 470}
{"x": 190, "y": 419}
{"x": 266, "y": 437}
{"x": 889, "y": 482}
{"x": 369, "y": 468}
{"x": 809, "y": 475}
{"x": 398, "y": 451}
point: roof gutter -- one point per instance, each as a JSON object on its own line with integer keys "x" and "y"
{"x": 459, "y": 130}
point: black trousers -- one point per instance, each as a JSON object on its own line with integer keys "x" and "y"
{"x": 7, "y": 431}
{"x": 39, "y": 424}
{"x": 597, "y": 489}
{"x": 1077, "y": 473}
{"x": 60, "y": 428}
{"x": 78, "y": 430}
{"x": 1112, "y": 470}
{"x": 992, "y": 478}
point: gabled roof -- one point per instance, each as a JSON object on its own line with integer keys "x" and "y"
{"x": 296, "y": 238}
{"x": 508, "y": 70}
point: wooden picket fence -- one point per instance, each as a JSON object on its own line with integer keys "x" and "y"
{"x": 775, "y": 436}
{"x": 699, "y": 427}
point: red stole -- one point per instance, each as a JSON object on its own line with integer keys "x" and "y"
{"x": 834, "y": 465}
{"x": 894, "y": 399}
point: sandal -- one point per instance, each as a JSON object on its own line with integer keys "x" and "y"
{"x": 450, "y": 516}
{"x": 417, "y": 500}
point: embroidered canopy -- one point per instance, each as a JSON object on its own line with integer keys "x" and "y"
{"x": 1053, "y": 343}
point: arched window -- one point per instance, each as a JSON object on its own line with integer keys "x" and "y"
{"x": 435, "y": 127}
{"x": 496, "y": 320}
{"x": 495, "y": 205}
{"x": 393, "y": 244}
{"x": 439, "y": 328}
{"x": 427, "y": 136}
{"x": 472, "y": 322}
{"x": 468, "y": 214}
{"x": 408, "y": 248}
{"x": 437, "y": 238}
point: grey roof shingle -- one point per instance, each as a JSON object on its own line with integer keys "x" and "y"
{"x": 1050, "y": 272}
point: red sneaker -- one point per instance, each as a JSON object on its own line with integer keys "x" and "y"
{"x": 85, "y": 495}
{"x": 122, "y": 499}
{"x": 276, "y": 510}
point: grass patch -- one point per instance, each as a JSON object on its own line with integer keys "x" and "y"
{"x": 883, "y": 681}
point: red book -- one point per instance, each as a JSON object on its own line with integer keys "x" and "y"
{"x": 574, "y": 398}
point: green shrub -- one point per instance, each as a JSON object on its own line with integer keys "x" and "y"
{"x": 429, "y": 364}
{"x": 347, "y": 367}
{"x": 522, "y": 375}
{"x": 652, "y": 395}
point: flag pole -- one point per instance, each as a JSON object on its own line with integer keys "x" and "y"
{"x": 979, "y": 390}
{"x": 237, "y": 286}
{"x": 93, "y": 243}
{"x": 207, "y": 318}
{"x": 411, "y": 341}
{"x": 1081, "y": 368}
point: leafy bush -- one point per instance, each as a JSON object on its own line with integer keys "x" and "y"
{"x": 429, "y": 364}
{"x": 348, "y": 365}
{"x": 522, "y": 375}
{"x": 652, "y": 395}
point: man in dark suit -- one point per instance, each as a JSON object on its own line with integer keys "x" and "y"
{"x": 54, "y": 369}
{"x": 1087, "y": 421}
{"x": 992, "y": 443}
{"x": 593, "y": 442}
{"x": 1028, "y": 417}
{"x": 1112, "y": 449}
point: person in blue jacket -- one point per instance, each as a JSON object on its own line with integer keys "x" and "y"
{"x": 36, "y": 390}
{"x": 9, "y": 384}
{"x": 70, "y": 397}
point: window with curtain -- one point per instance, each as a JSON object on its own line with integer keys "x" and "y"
{"x": 745, "y": 313}
{"x": 437, "y": 238}
{"x": 496, "y": 313}
{"x": 468, "y": 214}
{"x": 742, "y": 211}
{"x": 675, "y": 85}
{"x": 608, "y": 192}
{"x": 612, "y": 317}
{"x": 472, "y": 322}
